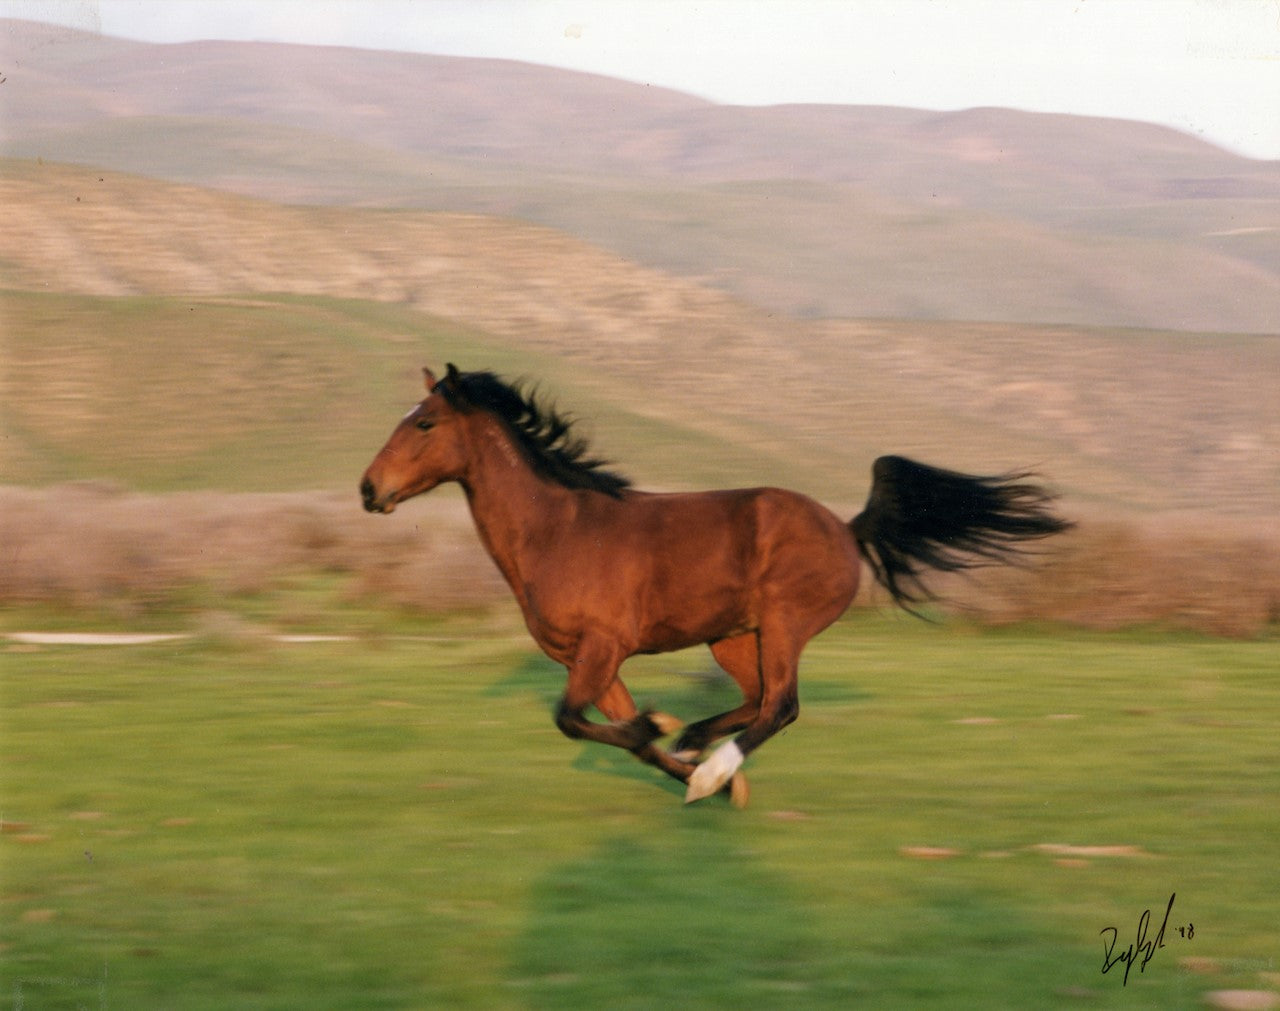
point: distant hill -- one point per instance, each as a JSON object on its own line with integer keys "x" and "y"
{"x": 814, "y": 211}
{"x": 172, "y": 336}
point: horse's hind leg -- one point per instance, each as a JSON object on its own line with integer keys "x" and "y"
{"x": 740, "y": 658}
{"x": 779, "y": 706}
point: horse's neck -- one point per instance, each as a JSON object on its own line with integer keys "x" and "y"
{"x": 517, "y": 513}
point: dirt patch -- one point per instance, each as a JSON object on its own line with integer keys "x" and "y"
{"x": 1242, "y": 1000}
{"x": 929, "y": 852}
{"x": 90, "y": 638}
{"x": 1069, "y": 851}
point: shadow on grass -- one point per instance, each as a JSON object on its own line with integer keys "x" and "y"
{"x": 703, "y": 691}
{"x": 694, "y": 918}
{"x": 700, "y": 694}
{"x": 686, "y": 920}
{"x": 534, "y": 674}
{"x": 606, "y": 761}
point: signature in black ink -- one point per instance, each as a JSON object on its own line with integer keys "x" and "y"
{"x": 1144, "y": 949}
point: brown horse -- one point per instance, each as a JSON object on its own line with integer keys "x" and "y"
{"x": 603, "y": 572}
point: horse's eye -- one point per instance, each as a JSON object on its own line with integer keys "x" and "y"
{"x": 425, "y": 424}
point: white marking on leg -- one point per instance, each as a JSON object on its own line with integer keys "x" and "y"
{"x": 712, "y": 774}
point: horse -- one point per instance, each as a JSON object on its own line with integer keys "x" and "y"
{"x": 603, "y": 571}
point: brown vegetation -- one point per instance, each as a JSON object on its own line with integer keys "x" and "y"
{"x": 92, "y": 544}
{"x": 97, "y": 545}
{"x": 1195, "y": 573}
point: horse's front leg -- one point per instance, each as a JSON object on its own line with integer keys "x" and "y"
{"x": 617, "y": 704}
{"x": 593, "y": 673}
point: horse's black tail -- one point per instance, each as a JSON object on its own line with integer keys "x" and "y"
{"x": 919, "y": 517}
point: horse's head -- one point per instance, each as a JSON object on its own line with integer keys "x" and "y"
{"x": 425, "y": 449}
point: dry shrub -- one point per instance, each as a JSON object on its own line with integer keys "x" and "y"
{"x": 1202, "y": 573}
{"x": 98, "y": 545}
{"x": 94, "y": 544}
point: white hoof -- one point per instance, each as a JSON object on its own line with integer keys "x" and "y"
{"x": 712, "y": 774}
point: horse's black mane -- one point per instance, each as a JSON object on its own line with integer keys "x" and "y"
{"x": 545, "y": 435}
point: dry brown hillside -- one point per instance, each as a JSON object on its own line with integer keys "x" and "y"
{"x": 100, "y": 233}
{"x": 1143, "y": 418}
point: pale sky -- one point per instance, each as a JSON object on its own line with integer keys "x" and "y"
{"x": 1208, "y": 67}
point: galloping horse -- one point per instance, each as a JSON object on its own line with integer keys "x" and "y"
{"x": 603, "y": 572}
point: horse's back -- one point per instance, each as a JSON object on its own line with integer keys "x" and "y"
{"x": 754, "y": 524}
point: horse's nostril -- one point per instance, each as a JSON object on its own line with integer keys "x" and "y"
{"x": 368, "y": 493}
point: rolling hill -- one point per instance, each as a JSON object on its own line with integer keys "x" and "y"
{"x": 171, "y": 336}
{"x": 986, "y": 214}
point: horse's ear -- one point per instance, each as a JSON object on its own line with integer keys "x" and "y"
{"x": 451, "y": 376}
{"x": 430, "y": 378}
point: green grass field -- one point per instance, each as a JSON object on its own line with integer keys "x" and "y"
{"x": 394, "y": 822}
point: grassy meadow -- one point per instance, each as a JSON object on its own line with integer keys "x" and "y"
{"x": 394, "y": 822}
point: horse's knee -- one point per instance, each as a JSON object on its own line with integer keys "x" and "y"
{"x": 569, "y": 720}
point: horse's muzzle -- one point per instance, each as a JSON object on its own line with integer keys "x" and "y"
{"x": 372, "y": 503}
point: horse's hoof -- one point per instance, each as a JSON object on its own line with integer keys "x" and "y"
{"x": 688, "y": 756}
{"x": 665, "y": 723}
{"x": 739, "y": 790}
{"x": 712, "y": 774}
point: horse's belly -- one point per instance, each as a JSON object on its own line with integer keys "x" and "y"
{"x": 682, "y": 612}
{"x": 649, "y": 614}
{"x": 666, "y": 638}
